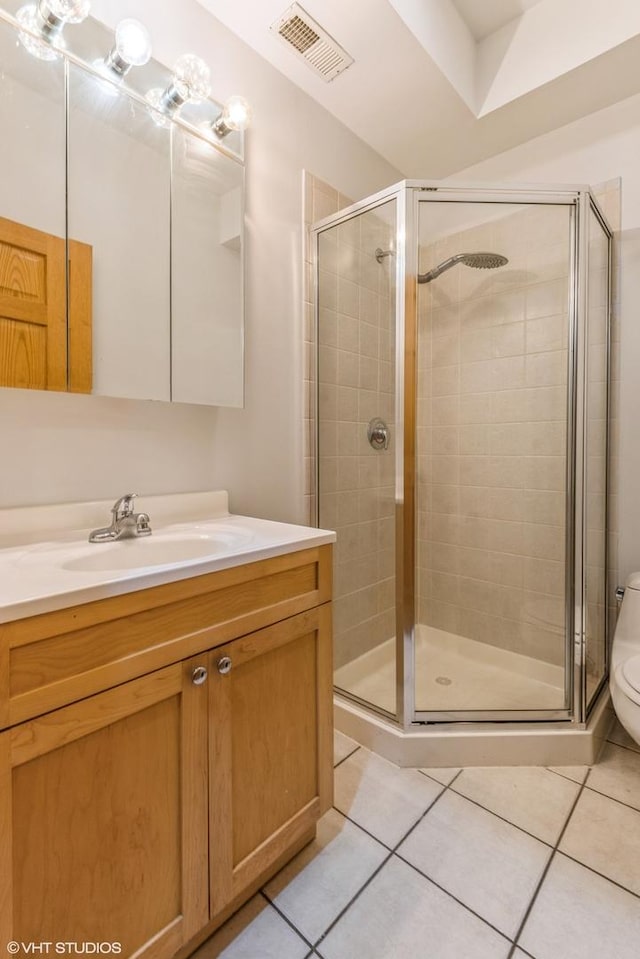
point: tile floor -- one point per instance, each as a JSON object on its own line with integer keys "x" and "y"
{"x": 477, "y": 863}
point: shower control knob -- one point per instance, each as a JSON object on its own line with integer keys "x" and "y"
{"x": 378, "y": 434}
{"x": 224, "y": 665}
{"x": 199, "y": 675}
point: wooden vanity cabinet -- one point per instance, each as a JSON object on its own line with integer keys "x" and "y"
{"x": 105, "y": 801}
{"x": 270, "y": 735}
{"x": 146, "y": 812}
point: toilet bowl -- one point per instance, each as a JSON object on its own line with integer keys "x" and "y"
{"x": 625, "y": 660}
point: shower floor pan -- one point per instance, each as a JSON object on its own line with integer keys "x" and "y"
{"x": 456, "y": 673}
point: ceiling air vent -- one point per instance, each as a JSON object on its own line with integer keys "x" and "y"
{"x": 310, "y": 42}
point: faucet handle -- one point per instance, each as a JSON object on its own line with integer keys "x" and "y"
{"x": 124, "y": 506}
{"x": 143, "y": 524}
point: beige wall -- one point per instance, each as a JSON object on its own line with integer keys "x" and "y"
{"x": 356, "y": 384}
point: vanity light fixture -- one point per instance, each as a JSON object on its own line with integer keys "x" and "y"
{"x": 191, "y": 82}
{"x": 132, "y": 48}
{"x": 46, "y": 19}
{"x": 236, "y": 115}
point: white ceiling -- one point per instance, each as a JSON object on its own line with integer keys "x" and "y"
{"x": 486, "y": 16}
{"x": 433, "y": 92}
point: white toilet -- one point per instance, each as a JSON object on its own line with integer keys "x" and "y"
{"x": 625, "y": 660}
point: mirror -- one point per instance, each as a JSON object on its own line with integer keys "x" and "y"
{"x": 118, "y": 205}
{"x": 133, "y": 287}
{"x": 206, "y": 237}
{"x": 33, "y": 329}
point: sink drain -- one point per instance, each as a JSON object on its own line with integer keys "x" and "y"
{"x": 444, "y": 680}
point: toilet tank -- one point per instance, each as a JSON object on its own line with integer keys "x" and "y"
{"x": 626, "y": 639}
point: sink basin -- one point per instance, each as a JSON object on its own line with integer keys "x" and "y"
{"x": 164, "y": 548}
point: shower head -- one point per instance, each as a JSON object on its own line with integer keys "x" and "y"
{"x": 479, "y": 261}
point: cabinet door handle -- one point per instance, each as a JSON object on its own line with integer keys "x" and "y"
{"x": 199, "y": 675}
{"x": 224, "y": 665}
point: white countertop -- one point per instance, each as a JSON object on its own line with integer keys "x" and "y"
{"x": 46, "y": 560}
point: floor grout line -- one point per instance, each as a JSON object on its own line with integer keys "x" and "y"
{"x": 344, "y": 758}
{"x": 451, "y": 896}
{"x": 362, "y": 828}
{"x": 475, "y": 802}
{"x": 562, "y": 775}
{"x": 620, "y": 802}
{"x": 545, "y": 871}
{"x": 602, "y": 875}
{"x": 630, "y": 749}
{"x": 352, "y": 900}
{"x": 287, "y": 920}
{"x": 394, "y": 853}
{"x": 433, "y": 778}
{"x": 379, "y": 867}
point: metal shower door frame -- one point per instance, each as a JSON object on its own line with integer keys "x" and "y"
{"x": 409, "y": 194}
{"x": 398, "y": 193}
{"x": 577, "y": 198}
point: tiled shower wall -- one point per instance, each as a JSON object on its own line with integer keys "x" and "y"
{"x": 492, "y": 413}
{"x": 509, "y": 595}
{"x": 356, "y": 384}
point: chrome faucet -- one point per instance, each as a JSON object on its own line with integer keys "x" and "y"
{"x": 125, "y": 523}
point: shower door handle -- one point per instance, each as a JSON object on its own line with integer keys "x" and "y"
{"x": 378, "y": 434}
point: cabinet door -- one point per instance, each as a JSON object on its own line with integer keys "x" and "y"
{"x": 106, "y": 803}
{"x": 270, "y": 735}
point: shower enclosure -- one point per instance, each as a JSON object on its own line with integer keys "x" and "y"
{"x": 462, "y": 378}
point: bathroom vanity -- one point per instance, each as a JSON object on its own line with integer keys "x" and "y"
{"x": 165, "y": 748}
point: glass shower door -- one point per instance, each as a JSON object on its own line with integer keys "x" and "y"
{"x": 492, "y": 468}
{"x": 356, "y": 318}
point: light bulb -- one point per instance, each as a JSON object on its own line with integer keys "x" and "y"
{"x": 131, "y": 49}
{"x": 28, "y": 18}
{"x": 236, "y": 115}
{"x": 133, "y": 42}
{"x": 46, "y": 18}
{"x": 192, "y": 76}
{"x": 190, "y": 82}
{"x": 69, "y": 11}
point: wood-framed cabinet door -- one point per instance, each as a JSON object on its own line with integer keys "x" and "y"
{"x": 270, "y": 745}
{"x": 33, "y": 308}
{"x": 106, "y": 804}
